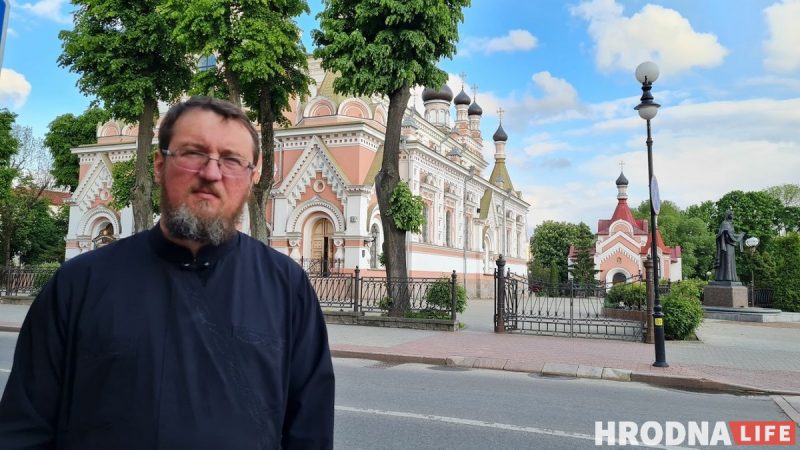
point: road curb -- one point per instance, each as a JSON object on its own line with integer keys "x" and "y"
{"x": 8, "y": 326}
{"x": 703, "y": 384}
{"x": 570, "y": 370}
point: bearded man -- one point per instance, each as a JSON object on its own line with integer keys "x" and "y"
{"x": 190, "y": 335}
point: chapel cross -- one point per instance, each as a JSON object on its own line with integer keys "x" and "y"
{"x": 500, "y": 112}
{"x": 463, "y": 76}
{"x": 475, "y": 90}
{"x": 621, "y": 165}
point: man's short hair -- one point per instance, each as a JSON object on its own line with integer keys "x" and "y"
{"x": 222, "y": 108}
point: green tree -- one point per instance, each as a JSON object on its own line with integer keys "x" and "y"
{"x": 583, "y": 269}
{"x": 787, "y": 194}
{"x": 261, "y": 59}
{"x": 68, "y": 131}
{"x": 786, "y": 253}
{"x": 754, "y": 213}
{"x": 551, "y": 240}
{"x": 127, "y": 57}
{"x": 124, "y": 179}
{"x": 384, "y": 47}
{"x": 690, "y": 230}
{"x": 8, "y": 208}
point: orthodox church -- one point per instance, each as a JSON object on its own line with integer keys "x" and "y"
{"x": 323, "y": 210}
{"x": 623, "y": 244}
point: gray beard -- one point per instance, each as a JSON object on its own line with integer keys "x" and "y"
{"x": 182, "y": 224}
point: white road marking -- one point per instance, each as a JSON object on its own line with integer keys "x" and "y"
{"x": 476, "y": 423}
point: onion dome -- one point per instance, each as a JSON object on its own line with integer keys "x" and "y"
{"x": 462, "y": 98}
{"x": 500, "y": 135}
{"x": 474, "y": 110}
{"x": 622, "y": 181}
{"x": 444, "y": 93}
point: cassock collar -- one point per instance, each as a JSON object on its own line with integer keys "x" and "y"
{"x": 182, "y": 256}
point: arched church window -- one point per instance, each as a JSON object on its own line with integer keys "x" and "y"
{"x": 619, "y": 277}
{"x": 206, "y": 63}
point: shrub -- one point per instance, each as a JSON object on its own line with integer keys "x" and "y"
{"x": 439, "y": 297}
{"x": 692, "y": 288}
{"x": 682, "y": 313}
{"x": 630, "y": 295}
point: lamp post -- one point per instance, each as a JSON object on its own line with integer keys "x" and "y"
{"x": 752, "y": 243}
{"x": 647, "y": 73}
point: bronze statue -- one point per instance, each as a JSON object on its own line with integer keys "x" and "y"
{"x": 725, "y": 259}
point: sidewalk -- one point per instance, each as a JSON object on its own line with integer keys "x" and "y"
{"x": 736, "y": 357}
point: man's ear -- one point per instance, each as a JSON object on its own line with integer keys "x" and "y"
{"x": 158, "y": 166}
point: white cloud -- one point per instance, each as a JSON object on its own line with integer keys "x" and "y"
{"x": 14, "y": 89}
{"x": 791, "y": 83}
{"x": 543, "y": 143}
{"x": 514, "y": 41}
{"x": 782, "y": 50}
{"x": 701, "y": 151}
{"x": 48, "y": 9}
{"x": 654, "y": 33}
{"x": 10, "y": 32}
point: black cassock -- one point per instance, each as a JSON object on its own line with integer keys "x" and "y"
{"x": 138, "y": 345}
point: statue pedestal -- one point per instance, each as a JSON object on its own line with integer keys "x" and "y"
{"x": 731, "y": 295}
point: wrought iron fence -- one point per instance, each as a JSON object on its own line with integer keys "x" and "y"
{"x": 760, "y": 297}
{"x": 376, "y": 295}
{"x": 24, "y": 280}
{"x": 563, "y": 309}
{"x": 321, "y": 266}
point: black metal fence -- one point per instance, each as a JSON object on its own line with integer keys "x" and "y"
{"x": 23, "y": 280}
{"x": 563, "y": 309}
{"x": 322, "y": 266}
{"x": 760, "y": 297}
{"x": 377, "y": 295}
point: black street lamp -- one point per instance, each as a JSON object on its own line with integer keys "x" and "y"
{"x": 647, "y": 73}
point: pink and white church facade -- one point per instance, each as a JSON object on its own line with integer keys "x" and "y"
{"x": 323, "y": 203}
{"x": 623, "y": 244}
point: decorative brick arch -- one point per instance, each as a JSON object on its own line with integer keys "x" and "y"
{"x": 297, "y": 218}
{"x": 380, "y": 115}
{"x": 109, "y": 129}
{"x": 319, "y": 106}
{"x": 88, "y": 224}
{"x": 355, "y": 107}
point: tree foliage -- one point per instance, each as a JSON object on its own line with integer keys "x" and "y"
{"x": 68, "y": 131}
{"x": 384, "y": 47}
{"x": 126, "y": 56}
{"x": 124, "y": 179}
{"x": 786, "y": 253}
{"x": 690, "y": 230}
{"x": 406, "y": 209}
{"x": 27, "y": 228}
{"x": 754, "y": 213}
{"x": 551, "y": 241}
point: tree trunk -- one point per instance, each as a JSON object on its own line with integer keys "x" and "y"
{"x": 234, "y": 92}
{"x": 142, "y": 198}
{"x": 257, "y": 204}
{"x": 394, "y": 243}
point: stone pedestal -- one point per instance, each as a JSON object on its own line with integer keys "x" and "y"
{"x": 731, "y": 295}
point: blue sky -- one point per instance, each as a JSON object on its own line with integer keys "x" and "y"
{"x": 563, "y": 72}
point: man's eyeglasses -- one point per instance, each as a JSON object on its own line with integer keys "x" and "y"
{"x": 195, "y": 161}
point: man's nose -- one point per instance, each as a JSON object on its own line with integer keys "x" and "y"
{"x": 211, "y": 171}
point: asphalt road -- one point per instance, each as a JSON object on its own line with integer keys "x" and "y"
{"x": 381, "y": 405}
{"x": 419, "y": 406}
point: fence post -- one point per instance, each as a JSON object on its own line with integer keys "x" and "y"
{"x": 649, "y": 336}
{"x": 453, "y": 296}
{"x": 356, "y": 291}
{"x": 499, "y": 325}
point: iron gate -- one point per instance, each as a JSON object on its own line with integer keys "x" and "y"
{"x": 565, "y": 309}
